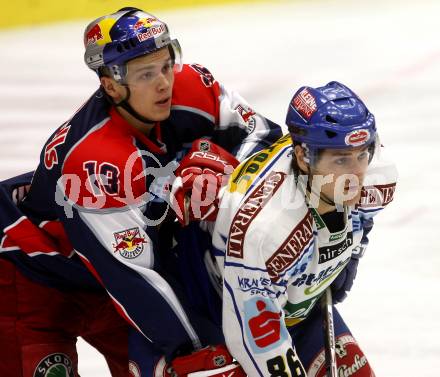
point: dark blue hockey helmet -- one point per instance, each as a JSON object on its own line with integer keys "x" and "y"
{"x": 331, "y": 116}
{"x": 113, "y": 40}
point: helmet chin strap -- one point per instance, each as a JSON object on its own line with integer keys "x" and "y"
{"x": 127, "y": 107}
{"x": 309, "y": 158}
{"x": 321, "y": 195}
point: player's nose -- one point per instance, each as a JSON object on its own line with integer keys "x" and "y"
{"x": 359, "y": 169}
{"x": 164, "y": 82}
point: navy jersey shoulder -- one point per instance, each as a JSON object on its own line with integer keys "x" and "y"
{"x": 39, "y": 203}
{"x": 48, "y": 259}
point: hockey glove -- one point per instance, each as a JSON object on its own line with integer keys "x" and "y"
{"x": 344, "y": 281}
{"x": 199, "y": 178}
{"x": 212, "y": 361}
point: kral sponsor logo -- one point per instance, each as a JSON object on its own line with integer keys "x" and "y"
{"x": 93, "y": 35}
{"x": 357, "y": 138}
{"x": 151, "y": 32}
{"x": 129, "y": 243}
{"x": 304, "y": 103}
{"x": 249, "y": 210}
{"x": 255, "y": 286}
{"x": 292, "y": 248}
{"x": 377, "y": 196}
{"x": 50, "y": 152}
{"x": 350, "y": 360}
{"x": 248, "y": 116}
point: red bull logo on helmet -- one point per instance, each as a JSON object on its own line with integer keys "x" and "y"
{"x": 129, "y": 243}
{"x": 304, "y": 103}
{"x": 93, "y": 35}
{"x": 144, "y": 23}
{"x": 152, "y": 32}
{"x": 357, "y": 138}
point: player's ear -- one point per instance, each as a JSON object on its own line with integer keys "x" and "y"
{"x": 300, "y": 155}
{"x": 112, "y": 88}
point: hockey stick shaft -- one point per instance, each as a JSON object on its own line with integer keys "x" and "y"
{"x": 329, "y": 333}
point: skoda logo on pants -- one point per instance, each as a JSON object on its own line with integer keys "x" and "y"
{"x": 54, "y": 365}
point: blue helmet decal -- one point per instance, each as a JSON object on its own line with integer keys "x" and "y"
{"x": 331, "y": 116}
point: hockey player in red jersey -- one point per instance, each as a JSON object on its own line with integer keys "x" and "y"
{"x": 86, "y": 236}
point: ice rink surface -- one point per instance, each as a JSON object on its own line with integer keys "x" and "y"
{"x": 387, "y": 51}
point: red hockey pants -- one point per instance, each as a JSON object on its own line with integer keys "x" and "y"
{"x": 39, "y": 327}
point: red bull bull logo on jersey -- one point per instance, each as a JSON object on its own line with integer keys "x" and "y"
{"x": 248, "y": 116}
{"x": 129, "y": 243}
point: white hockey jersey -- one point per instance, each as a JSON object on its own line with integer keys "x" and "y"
{"x": 277, "y": 256}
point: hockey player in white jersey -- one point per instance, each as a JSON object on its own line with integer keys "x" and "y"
{"x": 292, "y": 222}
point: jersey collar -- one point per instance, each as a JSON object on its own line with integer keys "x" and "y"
{"x": 119, "y": 121}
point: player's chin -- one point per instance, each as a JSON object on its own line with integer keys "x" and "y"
{"x": 348, "y": 197}
{"x": 352, "y": 201}
{"x": 162, "y": 113}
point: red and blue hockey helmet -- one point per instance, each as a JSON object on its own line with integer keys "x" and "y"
{"x": 330, "y": 117}
{"x": 113, "y": 40}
